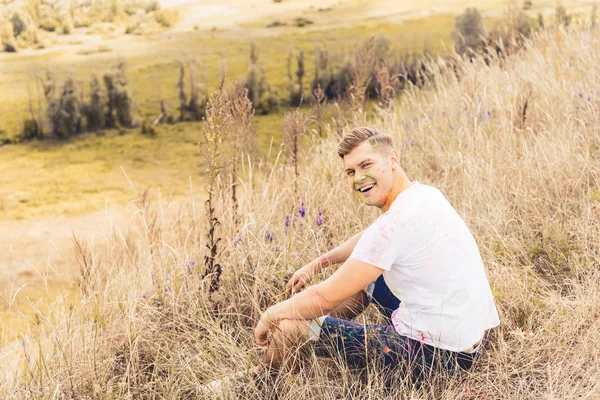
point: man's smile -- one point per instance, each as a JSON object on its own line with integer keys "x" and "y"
{"x": 366, "y": 187}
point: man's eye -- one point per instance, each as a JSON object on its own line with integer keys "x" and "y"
{"x": 350, "y": 173}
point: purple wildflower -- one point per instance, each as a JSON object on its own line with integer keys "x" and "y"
{"x": 144, "y": 296}
{"x": 269, "y": 235}
{"x": 24, "y": 344}
{"x": 319, "y": 220}
{"x": 589, "y": 98}
{"x": 288, "y": 220}
{"x": 302, "y": 210}
{"x": 489, "y": 113}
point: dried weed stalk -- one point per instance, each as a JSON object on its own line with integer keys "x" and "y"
{"x": 243, "y": 136}
{"x": 317, "y": 102}
{"x": 294, "y": 127}
{"x": 217, "y": 125}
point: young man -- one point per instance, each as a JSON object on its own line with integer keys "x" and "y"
{"x": 417, "y": 261}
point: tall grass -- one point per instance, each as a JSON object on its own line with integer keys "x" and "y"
{"x": 526, "y": 182}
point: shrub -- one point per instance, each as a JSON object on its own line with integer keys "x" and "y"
{"x": 147, "y": 129}
{"x": 469, "y": 31}
{"x": 18, "y": 24}
{"x": 95, "y": 111}
{"x": 10, "y": 46}
{"x": 151, "y": 6}
{"x": 82, "y": 21}
{"x": 194, "y": 109}
{"x": 276, "y": 24}
{"x": 263, "y": 98}
{"x": 49, "y": 24}
{"x": 301, "y": 21}
{"x": 31, "y": 130}
{"x": 119, "y": 104}
{"x": 562, "y": 18}
{"x": 64, "y": 112}
{"x": 166, "y": 18}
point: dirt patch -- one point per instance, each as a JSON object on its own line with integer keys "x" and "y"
{"x": 38, "y": 249}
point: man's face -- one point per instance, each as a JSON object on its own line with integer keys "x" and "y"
{"x": 370, "y": 173}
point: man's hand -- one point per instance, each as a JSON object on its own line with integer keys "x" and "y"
{"x": 261, "y": 332}
{"x": 301, "y": 278}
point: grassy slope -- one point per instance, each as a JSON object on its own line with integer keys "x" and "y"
{"x": 526, "y": 187}
{"x": 41, "y": 179}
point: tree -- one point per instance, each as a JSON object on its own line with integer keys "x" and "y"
{"x": 470, "y": 32}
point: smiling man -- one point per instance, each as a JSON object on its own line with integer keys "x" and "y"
{"x": 417, "y": 262}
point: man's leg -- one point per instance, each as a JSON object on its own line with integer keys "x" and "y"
{"x": 352, "y": 307}
{"x": 380, "y": 294}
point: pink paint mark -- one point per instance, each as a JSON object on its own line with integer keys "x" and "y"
{"x": 422, "y": 337}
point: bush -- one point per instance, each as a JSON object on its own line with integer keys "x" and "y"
{"x": 147, "y": 129}
{"x": 300, "y": 22}
{"x": 276, "y": 24}
{"x": 119, "y": 105}
{"x": 49, "y": 24}
{"x": 151, "y": 6}
{"x": 10, "y": 46}
{"x": 95, "y": 111}
{"x": 562, "y": 18}
{"x": 82, "y": 21}
{"x": 64, "y": 113}
{"x": 166, "y": 18}
{"x": 31, "y": 130}
{"x": 469, "y": 31}
{"x": 18, "y": 24}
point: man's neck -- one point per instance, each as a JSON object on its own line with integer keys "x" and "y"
{"x": 401, "y": 183}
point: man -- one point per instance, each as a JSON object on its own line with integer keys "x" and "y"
{"x": 417, "y": 261}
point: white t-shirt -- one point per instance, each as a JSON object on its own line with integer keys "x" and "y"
{"x": 432, "y": 264}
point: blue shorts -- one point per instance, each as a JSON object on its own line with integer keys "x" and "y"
{"x": 361, "y": 345}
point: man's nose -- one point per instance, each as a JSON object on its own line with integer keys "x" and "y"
{"x": 358, "y": 176}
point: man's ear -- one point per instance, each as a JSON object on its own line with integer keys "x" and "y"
{"x": 394, "y": 158}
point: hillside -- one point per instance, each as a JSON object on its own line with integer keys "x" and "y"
{"x": 515, "y": 147}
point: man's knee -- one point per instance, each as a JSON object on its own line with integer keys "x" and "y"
{"x": 291, "y": 331}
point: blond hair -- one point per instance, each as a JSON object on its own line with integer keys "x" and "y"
{"x": 361, "y": 134}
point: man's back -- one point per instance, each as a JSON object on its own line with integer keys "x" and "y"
{"x": 432, "y": 264}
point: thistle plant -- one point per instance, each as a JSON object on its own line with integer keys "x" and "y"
{"x": 294, "y": 127}
{"x": 243, "y": 135}
{"x": 318, "y": 105}
{"x": 217, "y": 125}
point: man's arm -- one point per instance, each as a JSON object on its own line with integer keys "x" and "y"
{"x": 319, "y": 299}
{"x": 335, "y": 256}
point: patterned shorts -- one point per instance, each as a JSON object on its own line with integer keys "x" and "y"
{"x": 361, "y": 345}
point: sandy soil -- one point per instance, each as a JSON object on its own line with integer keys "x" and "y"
{"x": 38, "y": 249}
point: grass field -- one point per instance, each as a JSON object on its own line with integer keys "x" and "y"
{"x": 527, "y": 186}
{"x": 537, "y": 227}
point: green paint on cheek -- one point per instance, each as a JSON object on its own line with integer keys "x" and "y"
{"x": 368, "y": 178}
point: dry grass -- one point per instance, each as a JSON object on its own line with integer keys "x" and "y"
{"x": 525, "y": 178}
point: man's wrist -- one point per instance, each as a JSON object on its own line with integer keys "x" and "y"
{"x": 322, "y": 261}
